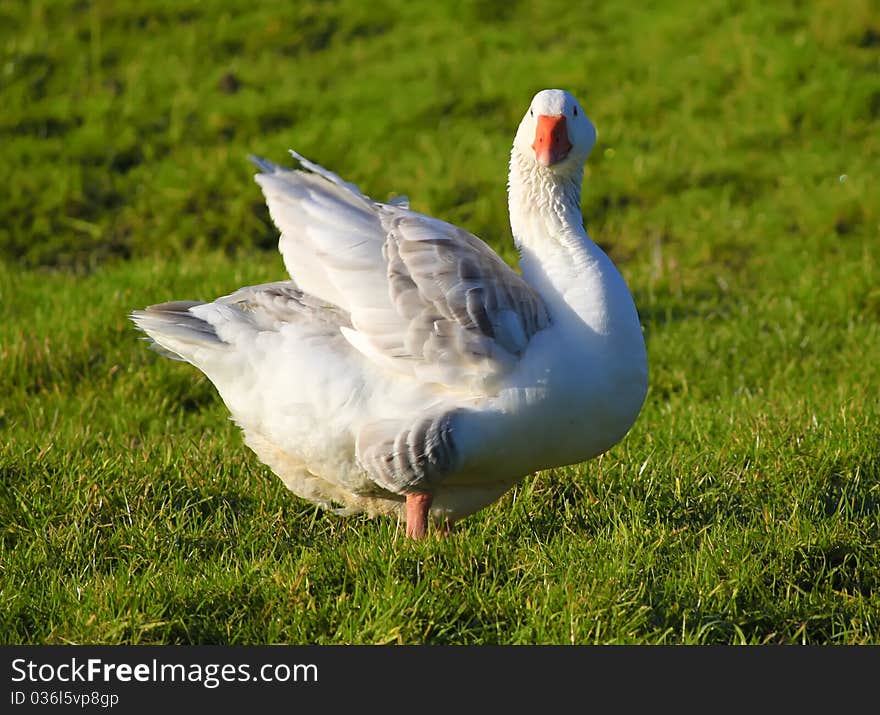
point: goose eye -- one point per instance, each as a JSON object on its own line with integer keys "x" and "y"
{"x": 531, "y": 112}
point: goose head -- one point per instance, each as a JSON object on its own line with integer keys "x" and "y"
{"x": 555, "y": 133}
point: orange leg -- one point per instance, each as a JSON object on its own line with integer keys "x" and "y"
{"x": 417, "y": 506}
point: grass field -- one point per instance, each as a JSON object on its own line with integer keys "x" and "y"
{"x": 734, "y": 183}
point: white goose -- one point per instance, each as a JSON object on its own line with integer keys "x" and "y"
{"x": 406, "y": 369}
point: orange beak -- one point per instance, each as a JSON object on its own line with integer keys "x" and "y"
{"x": 551, "y": 143}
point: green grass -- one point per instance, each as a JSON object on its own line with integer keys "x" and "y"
{"x": 734, "y": 182}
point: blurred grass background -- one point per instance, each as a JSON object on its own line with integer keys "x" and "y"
{"x": 734, "y": 183}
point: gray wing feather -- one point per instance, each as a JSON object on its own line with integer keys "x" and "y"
{"x": 460, "y": 308}
{"x": 179, "y": 328}
{"x": 415, "y": 458}
{"x": 424, "y": 297}
{"x": 271, "y": 305}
